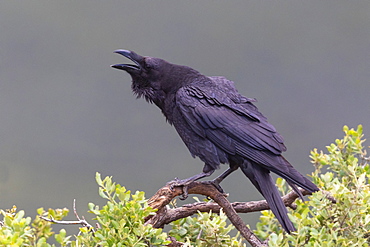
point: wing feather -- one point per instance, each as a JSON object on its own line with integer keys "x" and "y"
{"x": 228, "y": 123}
{"x": 224, "y": 123}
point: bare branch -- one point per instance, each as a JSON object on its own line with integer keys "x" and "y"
{"x": 67, "y": 222}
{"x": 165, "y": 215}
{"x": 74, "y": 209}
{"x": 165, "y": 195}
{"x": 80, "y": 221}
{"x": 240, "y": 207}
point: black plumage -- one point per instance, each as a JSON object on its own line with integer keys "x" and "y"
{"x": 218, "y": 125}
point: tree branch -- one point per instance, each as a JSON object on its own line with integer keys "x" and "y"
{"x": 166, "y": 215}
{"x": 240, "y": 207}
{"x": 167, "y": 193}
{"x": 79, "y": 221}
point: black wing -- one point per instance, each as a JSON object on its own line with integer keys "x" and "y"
{"x": 218, "y": 114}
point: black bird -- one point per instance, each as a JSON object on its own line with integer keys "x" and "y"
{"x": 218, "y": 125}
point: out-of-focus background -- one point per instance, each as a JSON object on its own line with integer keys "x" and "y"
{"x": 65, "y": 114}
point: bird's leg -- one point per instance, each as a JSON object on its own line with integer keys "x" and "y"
{"x": 216, "y": 182}
{"x": 185, "y": 182}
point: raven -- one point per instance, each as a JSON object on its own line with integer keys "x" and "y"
{"x": 218, "y": 125}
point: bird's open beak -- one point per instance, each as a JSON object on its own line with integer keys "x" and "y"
{"x": 137, "y": 59}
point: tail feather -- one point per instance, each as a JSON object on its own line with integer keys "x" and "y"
{"x": 289, "y": 173}
{"x": 261, "y": 179}
{"x": 295, "y": 188}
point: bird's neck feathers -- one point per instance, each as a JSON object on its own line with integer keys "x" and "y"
{"x": 160, "y": 91}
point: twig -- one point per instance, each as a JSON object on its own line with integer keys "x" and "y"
{"x": 329, "y": 196}
{"x": 166, "y": 194}
{"x": 166, "y": 215}
{"x": 80, "y": 221}
{"x": 240, "y": 207}
{"x": 236, "y": 220}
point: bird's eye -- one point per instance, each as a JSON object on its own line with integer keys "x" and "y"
{"x": 147, "y": 66}
{"x": 151, "y": 63}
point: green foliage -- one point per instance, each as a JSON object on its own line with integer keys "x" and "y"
{"x": 121, "y": 220}
{"x": 121, "y": 223}
{"x": 17, "y": 230}
{"x": 320, "y": 222}
{"x": 207, "y": 229}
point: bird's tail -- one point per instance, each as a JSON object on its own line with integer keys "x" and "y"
{"x": 293, "y": 177}
{"x": 260, "y": 177}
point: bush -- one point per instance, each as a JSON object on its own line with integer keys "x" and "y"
{"x": 319, "y": 221}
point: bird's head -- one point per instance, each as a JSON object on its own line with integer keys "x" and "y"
{"x": 153, "y": 78}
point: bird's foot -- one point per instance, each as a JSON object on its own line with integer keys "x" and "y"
{"x": 216, "y": 184}
{"x": 180, "y": 183}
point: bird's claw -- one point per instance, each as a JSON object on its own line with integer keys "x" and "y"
{"x": 184, "y": 184}
{"x": 179, "y": 183}
{"x": 185, "y": 193}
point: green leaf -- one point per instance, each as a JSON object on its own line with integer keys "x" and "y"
{"x": 98, "y": 179}
{"x": 102, "y": 193}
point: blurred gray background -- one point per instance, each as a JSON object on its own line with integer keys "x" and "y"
{"x": 65, "y": 114}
